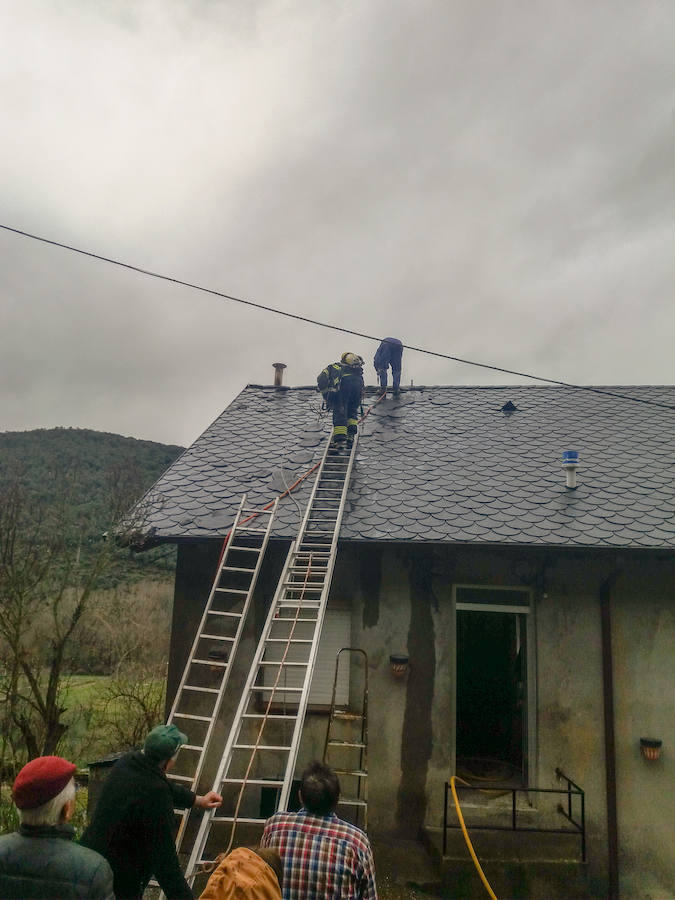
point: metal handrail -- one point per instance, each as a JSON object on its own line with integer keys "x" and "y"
{"x": 572, "y": 790}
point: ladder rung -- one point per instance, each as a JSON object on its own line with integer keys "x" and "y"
{"x": 180, "y": 777}
{"x": 346, "y": 744}
{"x": 316, "y": 556}
{"x": 256, "y": 511}
{"x": 205, "y": 690}
{"x": 236, "y": 569}
{"x": 191, "y": 747}
{"x": 215, "y": 637}
{"x": 291, "y": 620}
{"x": 275, "y": 716}
{"x": 299, "y": 602}
{"x": 231, "y": 591}
{"x": 191, "y": 716}
{"x": 278, "y": 663}
{"x": 220, "y": 612}
{"x": 252, "y": 530}
{"x": 276, "y": 747}
{"x": 263, "y": 782}
{"x": 210, "y": 662}
{"x": 347, "y": 802}
{"x": 356, "y": 773}
{"x": 302, "y": 585}
{"x": 244, "y": 820}
{"x": 277, "y": 689}
{"x": 348, "y": 717}
{"x": 271, "y": 640}
{"x": 245, "y": 549}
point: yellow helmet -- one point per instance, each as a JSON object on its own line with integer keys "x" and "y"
{"x": 351, "y": 359}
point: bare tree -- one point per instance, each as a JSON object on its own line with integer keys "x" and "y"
{"x": 49, "y": 568}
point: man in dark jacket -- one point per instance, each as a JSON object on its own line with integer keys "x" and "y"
{"x": 133, "y": 821}
{"x": 40, "y": 862}
{"x": 389, "y": 353}
{"x": 342, "y": 387}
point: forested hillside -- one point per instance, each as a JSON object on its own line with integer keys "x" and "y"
{"x": 74, "y": 602}
{"x": 87, "y": 471}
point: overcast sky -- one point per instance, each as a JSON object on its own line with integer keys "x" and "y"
{"x": 493, "y": 180}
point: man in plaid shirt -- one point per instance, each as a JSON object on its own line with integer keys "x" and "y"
{"x": 324, "y": 858}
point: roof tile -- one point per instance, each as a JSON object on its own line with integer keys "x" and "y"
{"x": 441, "y": 464}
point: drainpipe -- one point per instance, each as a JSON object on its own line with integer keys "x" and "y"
{"x": 610, "y": 747}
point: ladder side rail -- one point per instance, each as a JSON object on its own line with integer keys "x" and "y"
{"x": 312, "y": 497}
{"x": 331, "y": 712}
{"x": 209, "y": 814}
{"x": 309, "y": 671}
{"x": 235, "y": 643}
{"x": 202, "y": 622}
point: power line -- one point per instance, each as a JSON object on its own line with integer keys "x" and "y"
{"x": 361, "y": 334}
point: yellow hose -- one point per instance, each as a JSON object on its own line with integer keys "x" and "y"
{"x": 480, "y": 871}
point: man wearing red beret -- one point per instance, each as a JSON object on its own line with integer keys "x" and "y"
{"x": 39, "y": 861}
{"x": 133, "y": 822}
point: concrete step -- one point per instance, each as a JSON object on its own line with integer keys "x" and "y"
{"x": 519, "y": 846}
{"x": 513, "y": 880}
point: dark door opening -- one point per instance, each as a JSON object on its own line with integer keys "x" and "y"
{"x": 491, "y": 695}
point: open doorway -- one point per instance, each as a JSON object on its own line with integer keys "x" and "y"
{"x": 491, "y": 692}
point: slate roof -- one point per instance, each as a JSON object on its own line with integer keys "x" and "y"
{"x": 442, "y": 464}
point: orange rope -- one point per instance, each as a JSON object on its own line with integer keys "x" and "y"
{"x": 291, "y": 488}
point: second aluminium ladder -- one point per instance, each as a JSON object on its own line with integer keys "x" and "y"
{"x": 256, "y": 771}
{"x": 200, "y": 693}
{"x": 345, "y": 749}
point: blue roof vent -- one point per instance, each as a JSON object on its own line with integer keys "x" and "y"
{"x": 570, "y": 463}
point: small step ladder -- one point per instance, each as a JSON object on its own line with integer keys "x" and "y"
{"x": 202, "y": 686}
{"x": 347, "y": 754}
{"x": 260, "y": 754}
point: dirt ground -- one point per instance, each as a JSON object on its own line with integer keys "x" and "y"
{"x": 404, "y": 871}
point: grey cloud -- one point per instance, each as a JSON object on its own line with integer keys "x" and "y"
{"x": 495, "y": 186}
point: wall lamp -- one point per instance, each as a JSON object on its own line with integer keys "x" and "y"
{"x": 399, "y": 663}
{"x": 650, "y": 748}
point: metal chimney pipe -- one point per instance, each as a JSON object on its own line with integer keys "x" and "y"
{"x": 278, "y": 373}
{"x": 570, "y": 463}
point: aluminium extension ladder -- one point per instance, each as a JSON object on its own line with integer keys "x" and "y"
{"x": 202, "y": 687}
{"x": 260, "y": 754}
{"x": 347, "y": 738}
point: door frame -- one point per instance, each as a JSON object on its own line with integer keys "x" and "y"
{"x": 530, "y": 730}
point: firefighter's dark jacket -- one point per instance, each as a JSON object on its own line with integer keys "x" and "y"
{"x": 132, "y": 827}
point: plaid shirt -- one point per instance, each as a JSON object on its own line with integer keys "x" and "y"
{"x": 324, "y": 857}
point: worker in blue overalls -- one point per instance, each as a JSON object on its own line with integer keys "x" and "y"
{"x": 342, "y": 387}
{"x": 389, "y": 353}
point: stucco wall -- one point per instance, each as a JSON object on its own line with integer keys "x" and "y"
{"x": 644, "y": 681}
{"x": 402, "y": 602}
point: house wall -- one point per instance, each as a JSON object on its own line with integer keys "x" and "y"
{"x": 401, "y": 598}
{"x": 644, "y": 681}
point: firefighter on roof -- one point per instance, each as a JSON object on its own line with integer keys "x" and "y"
{"x": 389, "y": 353}
{"x": 341, "y": 385}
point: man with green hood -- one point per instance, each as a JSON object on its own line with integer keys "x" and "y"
{"x": 133, "y": 822}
